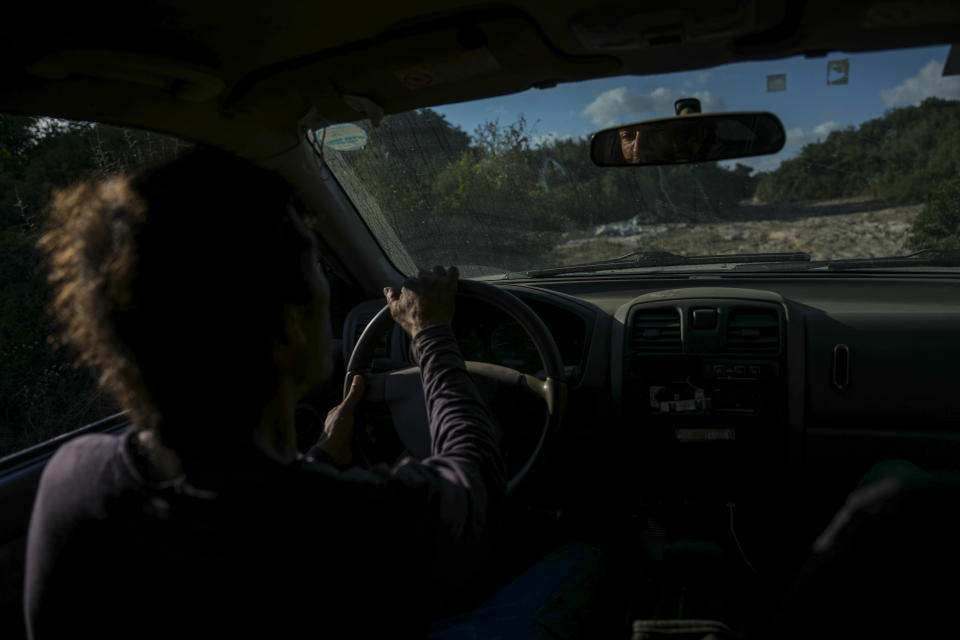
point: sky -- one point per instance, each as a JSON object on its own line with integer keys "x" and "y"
{"x": 809, "y": 107}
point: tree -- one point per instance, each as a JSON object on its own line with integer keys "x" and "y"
{"x": 508, "y": 198}
{"x": 401, "y": 161}
{"x": 41, "y": 393}
{"x": 492, "y": 138}
{"x": 902, "y": 156}
{"x": 938, "y": 223}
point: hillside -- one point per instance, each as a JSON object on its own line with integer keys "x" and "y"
{"x": 902, "y": 156}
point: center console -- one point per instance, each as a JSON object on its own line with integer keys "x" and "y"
{"x": 702, "y": 389}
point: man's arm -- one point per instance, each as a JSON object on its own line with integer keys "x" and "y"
{"x": 462, "y": 484}
{"x": 470, "y": 484}
{"x": 465, "y": 450}
{"x": 466, "y": 460}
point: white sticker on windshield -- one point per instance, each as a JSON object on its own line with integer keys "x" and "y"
{"x": 343, "y": 137}
{"x": 838, "y": 71}
{"x": 777, "y": 82}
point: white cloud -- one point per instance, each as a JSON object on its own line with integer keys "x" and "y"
{"x": 800, "y": 137}
{"x": 928, "y": 82}
{"x": 618, "y": 105}
{"x": 700, "y": 79}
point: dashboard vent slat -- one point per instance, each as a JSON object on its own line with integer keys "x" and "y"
{"x": 656, "y": 331}
{"x": 752, "y": 330}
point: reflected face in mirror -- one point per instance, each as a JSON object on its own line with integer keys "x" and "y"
{"x": 630, "y": 145}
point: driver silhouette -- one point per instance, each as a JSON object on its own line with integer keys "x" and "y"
{"x": 193, "y": 289}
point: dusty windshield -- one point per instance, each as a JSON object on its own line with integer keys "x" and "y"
{"x": 870, "y": 169}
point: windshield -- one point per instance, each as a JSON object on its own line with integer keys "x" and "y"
{"x": 870, "y": 169}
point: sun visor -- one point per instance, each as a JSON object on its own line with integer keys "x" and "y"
{"x": 640, "y": 26}
{"x": 182, "y": 80}
{"x": 451, "y": 63}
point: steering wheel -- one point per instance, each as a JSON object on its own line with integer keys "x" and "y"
{"x": 401, "y": 392}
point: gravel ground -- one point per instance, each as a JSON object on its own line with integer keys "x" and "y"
{"x": 836, "y": 229}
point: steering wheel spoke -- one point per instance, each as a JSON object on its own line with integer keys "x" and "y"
{"x": 385, "y": 385}
{"x": 492, "y": 378}
{"x": 401, "y": 392}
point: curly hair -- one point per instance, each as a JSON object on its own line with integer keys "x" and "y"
{"x": 171, "y": 283}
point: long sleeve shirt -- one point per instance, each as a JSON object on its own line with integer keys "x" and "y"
{"x": 280, "y": 549}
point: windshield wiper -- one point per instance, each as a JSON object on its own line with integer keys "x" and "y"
{"x": 933, "y": 258}
{"x": 641, "y": 259}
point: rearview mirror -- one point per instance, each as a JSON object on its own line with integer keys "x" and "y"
{"x": 698, "y": 137}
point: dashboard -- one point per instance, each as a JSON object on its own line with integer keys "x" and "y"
{"x": 487, "y": 334}
{"x": 714, "y": 382}
{"x": 694, "y": 403}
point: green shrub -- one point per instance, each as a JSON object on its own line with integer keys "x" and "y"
{"x": 899, "y": 157}
{"x": 938, "y": 223}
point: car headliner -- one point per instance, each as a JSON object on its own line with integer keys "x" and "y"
{"x": 241, "y": 76}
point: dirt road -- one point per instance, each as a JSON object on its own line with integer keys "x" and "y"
{"x": 837, "y": 229}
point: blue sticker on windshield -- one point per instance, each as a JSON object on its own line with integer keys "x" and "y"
{"x": 342, "y": 137}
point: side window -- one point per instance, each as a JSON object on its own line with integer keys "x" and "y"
{"x": 42, "y": 394}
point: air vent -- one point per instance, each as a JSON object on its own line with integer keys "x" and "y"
{"x": 753, "y": 330}
{"x": 656, "y": 331}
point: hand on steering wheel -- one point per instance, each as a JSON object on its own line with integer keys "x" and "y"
{"x": 425, "y": 301}
{"x": 397, "y": 395}
{"x": 337, "y": 438}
